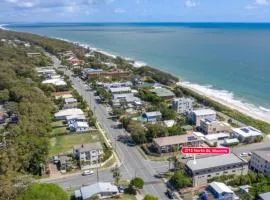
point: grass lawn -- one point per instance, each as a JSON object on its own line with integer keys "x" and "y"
{"x": 62, "y": 144}
{"x": 58, "y": 128}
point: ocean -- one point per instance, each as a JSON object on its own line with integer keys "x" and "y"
{"x": 228, "y": 60}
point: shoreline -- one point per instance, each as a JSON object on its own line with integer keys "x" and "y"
{"x": 249, "y": 109}
{"x": 232, "y": 103}
{"x": 223, "y": 97}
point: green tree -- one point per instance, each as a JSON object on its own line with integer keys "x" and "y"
{"x": 179, "y": 180}
{"x": 155, "y": 130}
{"x": 137, "y": 131}
{"x": 150, "y": 197}
{"x": 4, "y": 95}
{"x": 44, "y": 191}
{"x": 137, "y": 182}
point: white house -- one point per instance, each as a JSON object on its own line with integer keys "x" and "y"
{"x": 197, "y": 115}
{"x": 72, "y": 118}
{"x": 62, "y": 114}
{"x": 70, "y": 102}
{"x": 247, "y": 134}
{"x": 182, "y": 105}
{"x": 78, "y": 126}
{"x": 88, "y": 154}
{"x": 101, "y": 189}
{"x": 56, "y": 82}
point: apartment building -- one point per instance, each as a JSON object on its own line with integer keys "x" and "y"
{"x": 182, "y": 105}
{"x": 260, "y": 162}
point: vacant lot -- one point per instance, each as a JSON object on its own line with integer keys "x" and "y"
{"x": 64, "y": 144}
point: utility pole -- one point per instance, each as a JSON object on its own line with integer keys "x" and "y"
{"x": 97, "y": 171}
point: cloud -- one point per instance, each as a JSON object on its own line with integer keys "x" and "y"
{"x": 257, "y": 4}
{"x": 191, "y": 3}
{"x": 119, "y": 10}
{"x": 26, "y": 4}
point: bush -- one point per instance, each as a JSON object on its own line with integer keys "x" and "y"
{"x": 44, "y": 191}
{"x": 179, "y": 180}
{"x": 137, "y": 182}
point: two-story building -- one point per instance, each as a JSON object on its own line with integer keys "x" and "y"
{"x": 207, "y": 168}
{"x": 197, "y": 115}
{"x": 247, "y": 134}
{"x": 209, "y": 126}
{"x": 172, "y": 143}
{"x": 182, "y": 105}
{"x": 88, "y": 154}
{"x": 260, "y": 162}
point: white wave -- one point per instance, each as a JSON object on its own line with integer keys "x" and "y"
{"x": 3, "y": 26}
{"x": 228, "y": 98}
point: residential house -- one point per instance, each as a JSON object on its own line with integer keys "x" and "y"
{"x": 64, "y": 163}
{"x": 62, "y": 114}
{"x": 172, "y": 143}
{"x": 216, "y": 139}
{"x": 70, "y": 103}
{"x": 101, "y": 189}
{"x": 260, "y": 162}
{"x": 264, "y": 196}
{"x": 197, "y": 115}
{"x": 209, "y": 126}
{"x": 120, "y": 90}
{"x": 209, "y": 167}
{"x": 247, "y": 134}
{"x": 230, "y": 142}
{"x": 182, "y": 105}
{"x": 169, "y": 123}
{"x": 221, "y": 191}
{"x": 79, "y": 126}
{"x": 91, "y": 73}
{"x": 152, "y": 116}
{"x": 64, "y": 95}
{"x": 163, "y": 93}
{"x": 88, "y": 154}
{"x": 72, "y": 118}
{"x": 56, "y": 82}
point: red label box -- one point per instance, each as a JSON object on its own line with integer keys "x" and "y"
{"x": 205, "y": 150}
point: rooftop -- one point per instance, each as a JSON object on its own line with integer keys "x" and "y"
{"x": 81, "y": 124}
{"x": 217, "y": 136}
{"x": 90, "y": 190}
{"x": 200, "y": 112}
{"x": 214, "y": 161}
{"x": 70, "y": 100}
{"x": 67, "y": 112}
{"x": 220, "y": 188}
{"x": 263, "y": 154}
{"x": 71, "y": 117}
{"x": 153, "y": 114}
{"x": 92, "y": 70}
{"x": 247, "y": 131}
{"x": 163, "y": 92}
{"x": 176, "y": 139}
{"x": 87, "y": 147}
{"x": 120, "y": 89}
{"x": 265, "y": 196}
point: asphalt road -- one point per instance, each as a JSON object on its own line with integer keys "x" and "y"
{"x": 133, "y": 164}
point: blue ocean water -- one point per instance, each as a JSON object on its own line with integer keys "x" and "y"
{"x": 232, "y": 59}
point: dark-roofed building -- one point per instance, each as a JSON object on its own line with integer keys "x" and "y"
{"x": 260, "y": 162}
{"x": 163, "y": 93}
{"x": 208, "y": 167}
{"x": 170, "y": 143}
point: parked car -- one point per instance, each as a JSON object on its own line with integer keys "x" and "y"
{"x": 169, "y": 194}
{"x": 55, "y": 159}
{"x": 88, "y": 173}
{"x": 244, "y": 154}
{"x": 250, "y": 153}
{"x": 186, "y": 156}
{"x": 121, "y": 189}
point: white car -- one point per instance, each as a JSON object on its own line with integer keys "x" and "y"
{"x": 244, "y": 154}
{"x": 88, "y": 173}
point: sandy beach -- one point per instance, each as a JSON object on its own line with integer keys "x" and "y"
{"x": 222, "y": 97}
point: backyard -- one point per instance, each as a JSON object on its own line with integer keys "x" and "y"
{"x": 63, "y": 144}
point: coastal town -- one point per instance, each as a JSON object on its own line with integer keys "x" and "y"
{"x": 116, "y": 130}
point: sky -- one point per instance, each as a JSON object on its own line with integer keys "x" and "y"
{"x": 134, "y": 11}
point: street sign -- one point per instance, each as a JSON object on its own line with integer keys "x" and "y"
{"x": 205, "y": 150}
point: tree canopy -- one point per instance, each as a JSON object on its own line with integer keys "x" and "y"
{"x": 44, "y": 191}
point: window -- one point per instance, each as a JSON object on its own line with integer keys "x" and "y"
{"x": 209, "y": 175}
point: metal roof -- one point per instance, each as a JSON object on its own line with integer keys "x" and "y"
{"x": 214, "y": 161}
{"x": 220, "y": 188}
{"x": 90, "y": 190}
{"x": 263, "y": 154}
{"x": 163, "y": 92}
{"x": 265, "y": 196}
{"x": 200, "y": 112}
{"x": 88, "y": 147}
